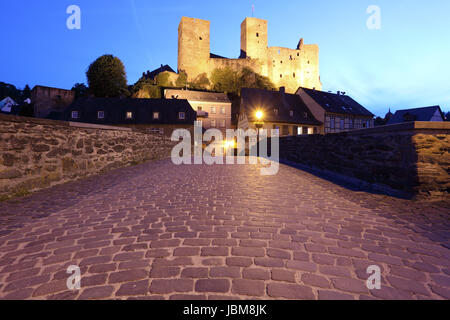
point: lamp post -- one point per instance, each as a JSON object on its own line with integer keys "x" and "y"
{"x": 258, "y": 124}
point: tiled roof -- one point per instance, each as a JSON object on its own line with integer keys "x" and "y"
{"x": 337, "y": 103}
{"x": 253, "y": 100}
{"x": 417, "y": 114}
{"x": 115, "y": 110}
{"x": 193, "y": 95}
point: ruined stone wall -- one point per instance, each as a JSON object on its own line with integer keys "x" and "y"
{"x": 412, "y": 159}
{"x": 46, "y": 100}
{"x": 37, "y": 153}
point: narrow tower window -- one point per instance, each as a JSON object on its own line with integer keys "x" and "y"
{"x": 257, "y": 34}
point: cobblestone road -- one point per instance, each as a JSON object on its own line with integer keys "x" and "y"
{"x": 157, "y": 231}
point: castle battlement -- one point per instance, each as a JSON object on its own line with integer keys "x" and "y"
{"x": 285, "y": 67}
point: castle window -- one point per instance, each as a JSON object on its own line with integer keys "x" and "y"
{"x": 290, "y": 57}
{"x": 298, "y": 54}
{"x": 281, "y": 76}
{"x": 200, "y": 38}
{"x": 279, "y": 51}
{"x": 257, "y": 35}
{"x": 308, "y": 61}
{"x": 294, "y": 74}
{"x": 101, "y": 115}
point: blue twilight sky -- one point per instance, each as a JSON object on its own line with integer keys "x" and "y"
{"x": 404, "y": 64}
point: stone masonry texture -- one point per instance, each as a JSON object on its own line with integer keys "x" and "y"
{"x": 36, "y": 153}
{"x": 414, "y": 163}
{"x": 160, "y": 231}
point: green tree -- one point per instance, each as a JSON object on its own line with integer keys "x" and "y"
{"x": 163, "y": 80}
{"x": 250, "y": 79}
{"x": 107, "y": 77}
{"x": 81, "y": 90}
{"x": 225, "y": 80}
{"x": 146, "y": 89}
{"x": 181, "y": 80}
{"x": 26, "y": 92}
{"x": 200, "y": 83}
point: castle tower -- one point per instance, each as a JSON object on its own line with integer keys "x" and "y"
{"x": 193, "y": 46}
{"x": 254, "y": 43}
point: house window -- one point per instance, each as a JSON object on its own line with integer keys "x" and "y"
{"x": 181, "y": 115}
{"x": 213, "y": 110}
{"x": 351, "y": 123}
{"x": 299, "y": 131}
{"x": 101, "y": 115}
{"x": 342, "y": 124}
{"x": 213, "y": 123}
{"x": 291, "y": 113}
{"x": 75, "y": 114}
{"x": 332, "y": 123}
{"x": 156, "y": 115}
{"x": 275, "y": 111}
{"x": 223, "y": 123}
{"x": 129, "y": 115}
{"x": 222, "y": 110}
{"x": 310, "y": 130}
{"x": 306, "y": 115}
{"x": 199, "y": 108}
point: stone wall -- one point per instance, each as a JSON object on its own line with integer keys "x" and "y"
{"x": 37, "y": 153}
{"x": 410, "y": 159}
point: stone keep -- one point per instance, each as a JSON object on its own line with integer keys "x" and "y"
{"x": 290, "y": 68}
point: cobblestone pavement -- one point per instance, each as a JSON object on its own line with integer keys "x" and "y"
{"x": 158, "y": 231}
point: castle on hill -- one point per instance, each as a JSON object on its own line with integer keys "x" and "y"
{"x": 289, "y": 68}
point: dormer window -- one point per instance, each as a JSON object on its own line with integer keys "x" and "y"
{"x": 101, "y": 115}
{"x": 306, "y": 115}
{"x": 75, "y": 115}
{"x": 155, "y": 115}
{"x": 291, "y": 113}
{"x": 129, "y": 115}
{"x": 275, "y": 111}
{"x": 181, "y": 115}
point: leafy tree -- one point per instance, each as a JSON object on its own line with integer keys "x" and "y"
{"x": 200, "y": 83}
{"x": 9, "y": 90}
{"x": 107, "y": 77}
{"x": 146, "y": 89}
{"x": 26, "y": 92}
{"x": 163, "y": 80}
{"x": 182, "y": 79}
{"x": 81, "y": 90}
{"x": 230, "y": 81}
{"x": 225, "y": 80}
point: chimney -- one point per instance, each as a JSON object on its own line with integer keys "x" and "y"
{"x": 338, "y": 93}
{"x": 282, "y": 90}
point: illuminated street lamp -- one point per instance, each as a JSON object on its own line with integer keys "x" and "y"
{"x": 258, "y": 124}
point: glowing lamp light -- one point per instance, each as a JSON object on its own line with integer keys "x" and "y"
{"x": 259, "y": 115}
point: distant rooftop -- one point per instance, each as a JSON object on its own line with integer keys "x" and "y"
{"x": 337, "y": 103}
{"x": 433, "y": 113}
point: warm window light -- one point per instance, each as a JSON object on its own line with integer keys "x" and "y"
{"x": 259, "y": 115}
